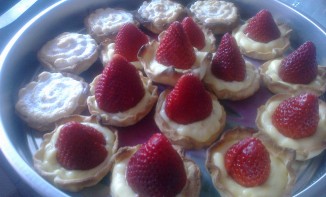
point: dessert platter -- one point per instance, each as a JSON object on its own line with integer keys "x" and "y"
{"x": 166, "y": 98}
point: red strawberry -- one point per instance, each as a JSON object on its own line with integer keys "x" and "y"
{"x": 80, "y": 147}
{"x": 300, "y": 66}
{"x": 228, "y": 63}
{"x": 297, "y": 117}
{"x": 175, "y": 48}
{"x": 248, "y": 162}
{"x": 262, "y": 27}
{"x": 194, "y": 33}
{"x": 188, "y": 102}
{"x": 156, "y": 169}
{"x": 119, "y": 87}
{"x": 128, "y": 41}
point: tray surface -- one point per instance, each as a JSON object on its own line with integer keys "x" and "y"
{"x": 19, "y": 65}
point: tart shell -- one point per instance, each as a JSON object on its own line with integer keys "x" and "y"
{"x": 284, "y": 87}
{"x": 78, "y": 183}
{"x": 193, "y": 184}
{"x": 235, "y": 135}
{"x": 181, "y": 140}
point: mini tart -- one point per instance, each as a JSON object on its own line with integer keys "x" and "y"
{"x": 119, "y": 185}
{"x": 157, "y": 15}
{"x": 107, "y": 52}
{"x": 46, "y": 164}
{"x": 270, "y": 74}
{"x": 69, "y": 52}
{"x": 169, "y": 75}
{"x": 234, "y": 90}
{"x": 51, "y": 97}
{"x": 260, "y": 50}
{"x": 130, "y": 116}
{"x": 104, "y": 23}
{"x": 218, "y": 16}
{"x": 305, "y": 148}
{"x": 280, "y": 181}
{"x": 195, "y": 135}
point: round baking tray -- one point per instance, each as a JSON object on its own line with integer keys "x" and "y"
{"x": 19, "y": 64}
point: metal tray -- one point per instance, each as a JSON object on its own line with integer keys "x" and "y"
{"x": 18, "y": 65}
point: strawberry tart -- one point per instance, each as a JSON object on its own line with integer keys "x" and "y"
{"x": 69, "y": 52}
{"x": 229, "y": 76}
{"x": 127, "y": 43}
{"x": 298, "y": 71}
{"x": 295, "y": 122}
{"x": 261, "y": 37}
{"x": 189, "y": 115}
{"x": 154, "y": 168}
{"x": 66, "y": 156}
{"x": 243, "y": 163}
{"x": 121, "y": 96}
{"x": 51, "y": 97}
{"x": 165, "y": 61}
{"x": 104, "y": 23}
{"x": 218, "y": 16}
{"x": 157, "y": 15}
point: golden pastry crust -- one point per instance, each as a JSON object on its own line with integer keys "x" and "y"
{"x": 104, "y": 23}
{"x": 218, "y": 16}
{"x": 73, "y": 180}
{"x": 130, "y": 116}
{"x": 305, "y": 148}
{"x": 168, "y": 126}
{"x": 259, "y": 50}
{"x": 222, "y": 180}
{"x": 169, "y": 75}
{"x": 51, "y": 97}
{"x": 234, "y": 90}
{"x": 193, "y": 184}
{"x": 269, "y": 73}
{"x": 158, "y": 15}
{"x": 69, "y": 52}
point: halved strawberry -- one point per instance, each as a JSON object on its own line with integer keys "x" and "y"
{"x": 262, "y": 27}
{"x": 194, "y": 33}
{"x": 156, "y": 169}
{"x": 228, "y": 64}
{"x": 175, "y": 48}
{"x": 128, "y": 41}
{"x": 80, "y": 147}
{"x": 188, "y": 102}
{"x": 119, "y": 87}
{"x": 248, "y": 162}
{"x": 297, "y": 117}
{"x": 300, "y": 66}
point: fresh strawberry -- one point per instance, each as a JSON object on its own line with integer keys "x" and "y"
{"x": 175, "y": 48}
{"x": 248, "y": 162}
{"x": 300, "y": 66}
{"x": 80, "y": 147}
{"x": 156, "y": 169}
{"x": 194, "y": 33}
{"x": 297, "y": 117}
{"x": 128, "y": 41}
{"x": 228, "y": 64}
{"x": 188, "y": 102}
{"x": 119, "y": 87}
{"x": 262, "y": 27}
